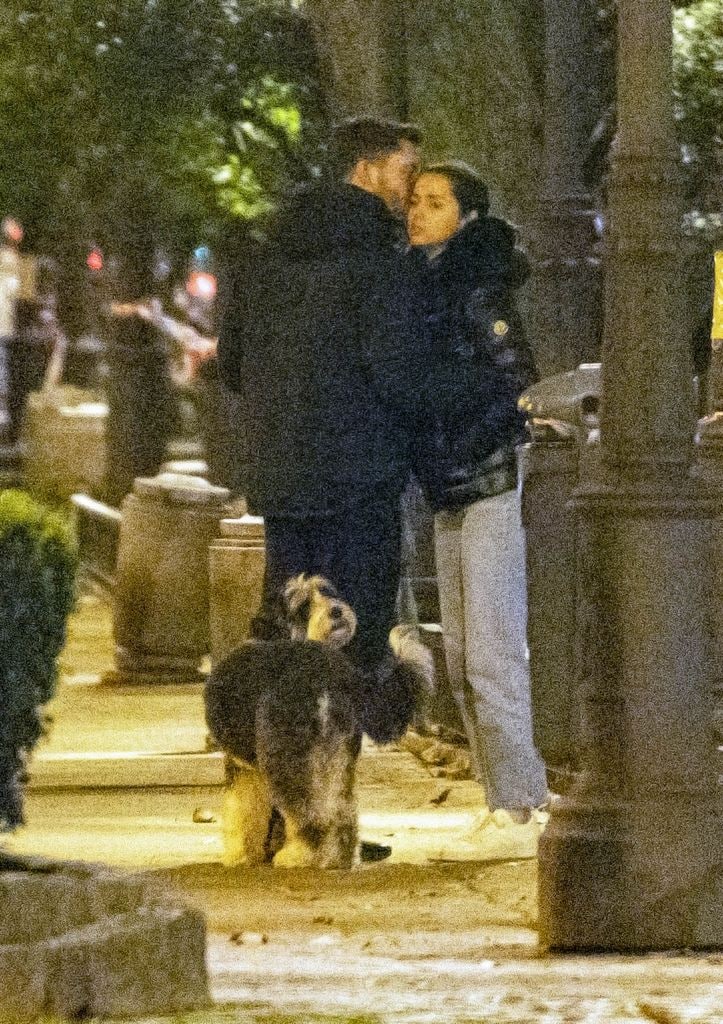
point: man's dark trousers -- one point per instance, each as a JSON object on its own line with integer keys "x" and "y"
{"x": 358, "y": 550}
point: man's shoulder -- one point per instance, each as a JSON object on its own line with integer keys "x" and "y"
{"x": 329, "y": 221}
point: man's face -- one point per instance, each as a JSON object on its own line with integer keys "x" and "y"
{"x": 390, "y": 176}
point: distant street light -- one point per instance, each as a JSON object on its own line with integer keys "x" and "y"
{"x": 201, "y": 285}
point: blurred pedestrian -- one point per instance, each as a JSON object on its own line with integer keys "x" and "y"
{"x": 9, "y": 283}
{"x": 467, "y": 464}
{"x": 27, "y": 341}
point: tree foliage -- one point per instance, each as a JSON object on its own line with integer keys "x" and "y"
{"x": 698, "y": 95}
{"x": 139, "y": 120}
{"x": 476, "y": 80}
{"x": 698, "y": 84}
{"x": 38, "y": 562}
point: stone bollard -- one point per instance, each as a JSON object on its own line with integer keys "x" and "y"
{"x": 64, "y": 435}
{"x": 236, "y": 581}
{"x": 161, "y": 618}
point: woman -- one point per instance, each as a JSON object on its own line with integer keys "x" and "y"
{"x": 467, "y": 467}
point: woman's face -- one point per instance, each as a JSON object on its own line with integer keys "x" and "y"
{"x": 434, "y": 214}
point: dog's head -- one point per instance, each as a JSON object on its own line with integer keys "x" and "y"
{"x": 308, "y": 608}
{"x": 315, "y": 611}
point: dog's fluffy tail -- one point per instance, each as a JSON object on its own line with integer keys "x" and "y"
{"x": 407, "y": 647}
{"x": 394, "y": 692}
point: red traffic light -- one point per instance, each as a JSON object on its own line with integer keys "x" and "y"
{"x": 94, "y": 260}
{"x": 12, "y": 229}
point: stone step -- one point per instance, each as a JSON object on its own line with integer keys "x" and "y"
{"x": 125, "y": 769}
{"x": 86, "y": 772}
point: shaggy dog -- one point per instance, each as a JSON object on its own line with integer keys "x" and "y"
{"x": 289, "y": 714}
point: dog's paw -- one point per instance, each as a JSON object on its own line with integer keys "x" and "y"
{"x": 295, "y": 854}
{"x": 242, "y": 848}
{"x": 242, "y": 856}
{"x": 240, "y": 860}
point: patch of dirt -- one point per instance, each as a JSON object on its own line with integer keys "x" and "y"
{"x": 388, "y": 899}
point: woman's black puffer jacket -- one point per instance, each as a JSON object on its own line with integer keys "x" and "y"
{"x": 481, "y": 362}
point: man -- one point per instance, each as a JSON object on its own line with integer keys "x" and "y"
{"x": 322, "y": 337}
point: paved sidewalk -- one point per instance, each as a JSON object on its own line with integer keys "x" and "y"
{"x": 427, "y": 936}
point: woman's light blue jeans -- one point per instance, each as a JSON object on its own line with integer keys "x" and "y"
{"x": 480, "y": 556}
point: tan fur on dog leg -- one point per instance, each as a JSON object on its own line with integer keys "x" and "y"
{"x": 246, "y": 816}
{"x": 295, "y": 853}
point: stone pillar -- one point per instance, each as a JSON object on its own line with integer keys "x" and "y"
{"x": 161, "y": 616}
{"x": 236, "y": 566}
{"x": 631, "y": 859}
{"x": 566, "y": 286}
{"x": 363, "y": 54}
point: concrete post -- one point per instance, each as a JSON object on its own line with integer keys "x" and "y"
{"x": 161, "y": 615}
{"x": 632, "y": 857}
{"x": 567, "y": 282}
{"x": 65, "y": 438}
{"x": 363, "y": 54}
{"x": 236, "y": 571}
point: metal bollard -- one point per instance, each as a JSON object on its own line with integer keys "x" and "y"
{"x": 562, "y": 412}
{"x": 549, "y": 474}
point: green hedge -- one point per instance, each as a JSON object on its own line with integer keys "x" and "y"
{"x": 38, "y": 561}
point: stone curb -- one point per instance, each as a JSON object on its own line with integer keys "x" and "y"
{"x": 125, "y": 769}
{"x": 79, "y": 940}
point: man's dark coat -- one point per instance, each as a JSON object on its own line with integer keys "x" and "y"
{"x": 323, "y": 337}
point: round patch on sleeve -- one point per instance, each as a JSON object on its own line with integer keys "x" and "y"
{"x": 500, "y": 328}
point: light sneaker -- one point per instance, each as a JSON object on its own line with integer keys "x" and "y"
{"x": 496, "y": 835}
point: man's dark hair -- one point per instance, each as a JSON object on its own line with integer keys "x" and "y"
{"x": 467, "y": 185}
{"x": 367, "y": 138}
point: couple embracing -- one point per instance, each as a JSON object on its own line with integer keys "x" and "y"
{"x": 374, "y": 336}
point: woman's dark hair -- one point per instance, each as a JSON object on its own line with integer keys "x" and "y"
{"x": 467, "y": 185}
{"x": 366, "y": 138}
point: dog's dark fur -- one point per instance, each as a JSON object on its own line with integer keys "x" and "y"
{"x": 289, "y": 713}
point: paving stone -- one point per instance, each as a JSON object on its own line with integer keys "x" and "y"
{"x": 36, "y": 906}
{"x": 22, "y": 984}
{"x": 78, "y": 940}
{"x": 111, "y": 893}
{"x": 68, "y": 989}
{"x": 152, "y": 962}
